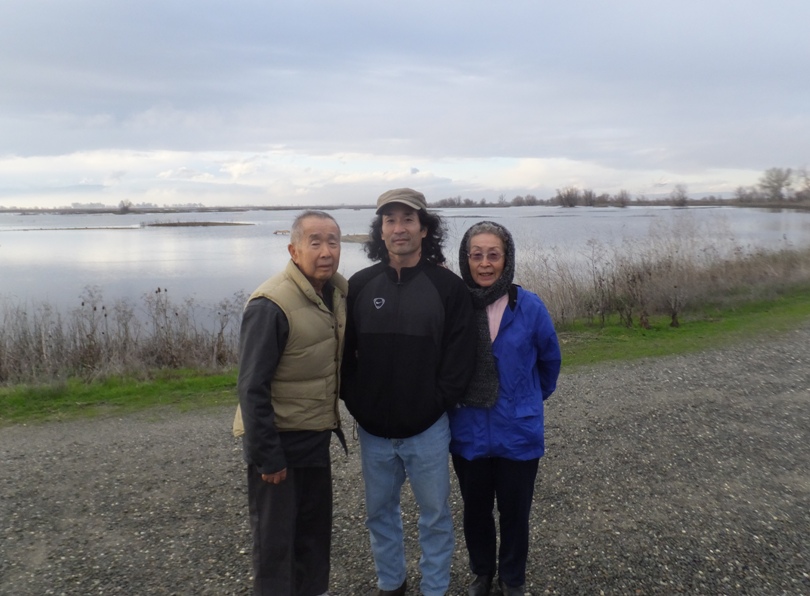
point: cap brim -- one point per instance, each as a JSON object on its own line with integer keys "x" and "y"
{"x": 411, "y": 204}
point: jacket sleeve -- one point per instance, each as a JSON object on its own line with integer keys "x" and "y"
{"x": 348, "y": 369}
{"x": 458, "y": 346}
{"x": 262, "y": 340}
{"x": 549, "y": 358}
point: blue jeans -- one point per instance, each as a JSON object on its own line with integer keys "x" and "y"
{"x": 424, "y": 460}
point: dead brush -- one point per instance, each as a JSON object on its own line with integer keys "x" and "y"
{"x": 39, "y": 344}
{"x": 672, "y": 269}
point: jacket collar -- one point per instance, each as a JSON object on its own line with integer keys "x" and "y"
{"x": 509, "y": 313}
{"x": 337, "y": 281}
{"x": 513, "y": 293}
{"x": 406, "y": 273}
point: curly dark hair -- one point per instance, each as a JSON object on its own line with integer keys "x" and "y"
{"x": 431, "y": 243}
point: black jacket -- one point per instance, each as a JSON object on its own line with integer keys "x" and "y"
{"x": 410, "y": 347}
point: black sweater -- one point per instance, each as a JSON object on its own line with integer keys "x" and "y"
{"x": 410, "y": 347}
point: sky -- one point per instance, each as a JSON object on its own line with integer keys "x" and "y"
{"x": 263, "y": 102}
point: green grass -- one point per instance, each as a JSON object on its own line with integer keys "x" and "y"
{"x": 582, "y": 344}
{"x": 178, "y": 389}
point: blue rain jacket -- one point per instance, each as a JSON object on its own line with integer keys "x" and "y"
{"x": 527, "y": 356}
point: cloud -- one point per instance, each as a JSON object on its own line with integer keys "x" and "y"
{"x": 329, "y": 101}
{"x": 184, "y": 173}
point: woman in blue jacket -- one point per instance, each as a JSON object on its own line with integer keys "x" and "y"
{"x": 497, "y": 430}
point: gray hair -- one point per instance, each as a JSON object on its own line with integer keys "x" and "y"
{"x": 298, "y": 224}
{"x": 487, "y": 227}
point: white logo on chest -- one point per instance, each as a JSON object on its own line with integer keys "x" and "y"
{"x": 378, "y": 303}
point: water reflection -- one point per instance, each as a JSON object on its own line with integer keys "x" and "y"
{"x": 50, "y": 263}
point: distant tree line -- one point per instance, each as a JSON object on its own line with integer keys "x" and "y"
{"x": 776, "y": 185}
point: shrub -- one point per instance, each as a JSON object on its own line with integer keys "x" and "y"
{"x": 37, "y": 343}
{"x": 670, "y": 271}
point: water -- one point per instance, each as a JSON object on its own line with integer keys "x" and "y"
{"x": 53, "y": 258}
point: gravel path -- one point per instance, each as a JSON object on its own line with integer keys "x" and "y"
{"x": 687, "y": 474}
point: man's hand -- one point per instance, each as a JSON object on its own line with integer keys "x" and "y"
{"x": 276, "y": 478}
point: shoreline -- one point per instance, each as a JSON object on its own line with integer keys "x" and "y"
{"x": 112, "y": 210}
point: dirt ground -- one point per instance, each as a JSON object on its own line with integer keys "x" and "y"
{"x": 685, "y": 474}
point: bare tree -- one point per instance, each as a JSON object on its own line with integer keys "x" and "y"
{"x": 679, "y": 196}
{"x": 742, "y": 194}
{"x": 775, "y": 182}
{"x": 622, "y": 198}
{"x": 568, "y": 196}
{"x": 803, "y": 194}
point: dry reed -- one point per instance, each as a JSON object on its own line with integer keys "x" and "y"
{"x": 40, "y": 344}
{"x": 668, "y": 272}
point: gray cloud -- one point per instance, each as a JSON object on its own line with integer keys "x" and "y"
{"x": 630, "y": 85}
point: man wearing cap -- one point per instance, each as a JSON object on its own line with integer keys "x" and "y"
{"x": 410, "y": 352}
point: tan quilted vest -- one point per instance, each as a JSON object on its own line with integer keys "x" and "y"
{"x": 304, "y": 390}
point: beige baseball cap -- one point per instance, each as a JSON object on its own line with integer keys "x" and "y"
{"x": 406, "y": 196}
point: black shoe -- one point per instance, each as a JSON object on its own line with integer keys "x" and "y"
{"x": 400, "y": 591}
{"x": 511, "y": 590}
{"x": 480, "y": 586}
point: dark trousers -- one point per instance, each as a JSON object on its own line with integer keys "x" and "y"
{"x": 291, "y": 524}
{"x": 512, "y": 482}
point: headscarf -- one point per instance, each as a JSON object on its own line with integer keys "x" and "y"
{"x": 482, "y": 391}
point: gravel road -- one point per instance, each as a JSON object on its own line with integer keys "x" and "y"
{"x": 686, "y": 474}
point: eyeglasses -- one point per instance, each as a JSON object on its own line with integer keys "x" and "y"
{"x": 493, "y": 256}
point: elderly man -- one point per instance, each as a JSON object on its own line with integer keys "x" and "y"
{"x": 410, "y": 352}
{"x": 291, "y": 344}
